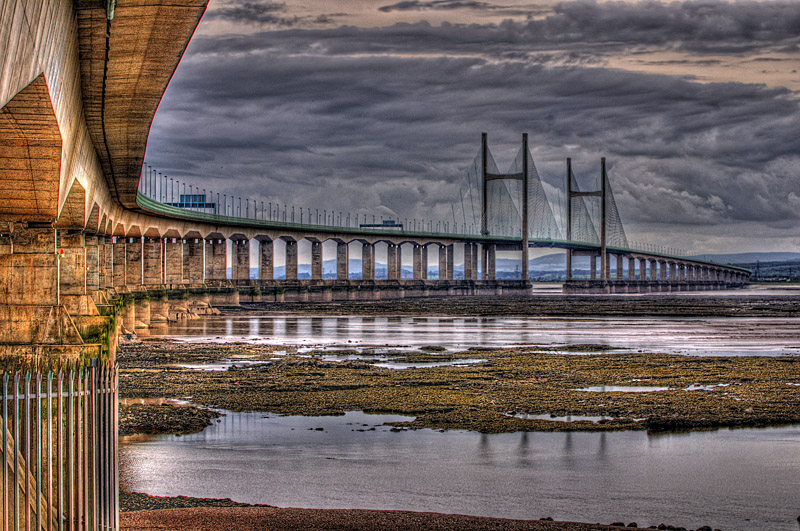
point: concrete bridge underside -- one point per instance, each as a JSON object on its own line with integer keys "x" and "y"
{"x": 78, "y": 92}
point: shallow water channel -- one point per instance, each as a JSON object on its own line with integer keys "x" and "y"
{"x": 748, "y": 336}
{"x": 733, "y": 480}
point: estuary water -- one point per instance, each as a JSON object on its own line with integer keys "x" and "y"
{"x": 736, "y": 480}
{"x": 746, "y": 336}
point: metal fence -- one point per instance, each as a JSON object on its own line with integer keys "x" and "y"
{"x": 59, "y": 448}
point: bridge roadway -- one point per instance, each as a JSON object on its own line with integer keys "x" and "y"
{"x": 80, "y": 82}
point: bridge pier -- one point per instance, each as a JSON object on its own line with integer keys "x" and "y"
{"x": 266, "y": 251}
{"x": 316, "y": 259}
{"x": 593, "y": 267}
{"x": 216, "y": 251}
{"x": 173, "y": 261}
{"x": 467, "y": 261}
{"x": 240, "y": 261}
{"x": 192, "y": 254}
{"x": 417, "y": 262}
{"x": 153, "y": 261}
{"x": 449, "y": 264}
{"x": 367, "y": 261}
{"x": 291, "y": 259}
{"x": 490, "y": 273}
{"x": 342, "y": 261}
{"x": 133, "y": 261}
{"x": 392, "y": 256}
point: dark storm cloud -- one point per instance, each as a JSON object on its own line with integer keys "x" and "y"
{"x": 338, "y": 120}
{"x": 261, "y": 13}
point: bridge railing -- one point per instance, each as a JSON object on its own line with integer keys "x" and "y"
{"x": 59, "y": 448}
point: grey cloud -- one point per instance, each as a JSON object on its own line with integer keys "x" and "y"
{"x": 421, "y": 5}
{"x": 355, "y": 127}
{"x": 254, "y": 12}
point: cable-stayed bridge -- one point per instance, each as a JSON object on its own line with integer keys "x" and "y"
{"x": 494, "y": 212}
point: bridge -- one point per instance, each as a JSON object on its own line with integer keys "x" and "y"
{"x": 90, "y": 240}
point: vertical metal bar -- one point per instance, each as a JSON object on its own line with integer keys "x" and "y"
{"x": 69, "y": 440}
{"x": 5, "y": 451}
{"x": 115, "y": 437}
{"x": 49, "y": 419}
{"x": 27, "y": 454}
{"x": 93, "y": 446}
{"x": 39, "y": 457}
{"x": 103, "y": 452}
{"x": 60, "y": 451}
{"x": 15, "y": 442}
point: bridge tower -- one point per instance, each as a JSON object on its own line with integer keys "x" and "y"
{"x": 519, "y": 176}
{"x": 602, "y": 194}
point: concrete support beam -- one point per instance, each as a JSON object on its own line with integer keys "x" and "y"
{"x": 492, "y": 261}
{"x": 291, "y": 260}
{"x": 475, "y": 261}
{"x": 593, "y": 267}
{"x": 424, "y": 262}
{"x": 653, "y": 270}
{"x": 173, "y": 261}
{"x": 266, "y": 264}
{"x": 367, "y": 261}
{"x": 569, "y": 263}
{"x": 468, "y": 261}
{"x": 642, "y": 269}
{"x": 119, "y": 253}
{"x": 241, "y": 260}
{"x": 620, "y": 267}
{"x": 417, "y": 262}
{"x": 192, "y": 260}
{"x": 342, "y": 261}
{"x": 107, "y": 270}
{"x": 442, "y": 262}
{"x": 392, "y": 258}
{"x": 216, "y": 259}
{"x": 316, "y": 260}
{"x": 631, "y": 269}
{"x": 71, "y": 262}
{"x": 133, "y": 261}
{"x": 450, "y": 261}
{"x": 673, "y": 273}
{"x": 153, "y": 261}
{"x": 93, "y": 252}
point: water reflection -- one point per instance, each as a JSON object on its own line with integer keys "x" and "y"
{"x": 726, "y": 479}
{"x": 722, "y": 336}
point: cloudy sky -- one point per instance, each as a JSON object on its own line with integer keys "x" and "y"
{"x": 377, "y": 106}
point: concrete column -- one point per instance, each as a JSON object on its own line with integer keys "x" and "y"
{"x": 119, "y": 265}
{"x": 605, "y": 268}
{"x": 173, "y": 261}
{"x": 450, "y": 261}
{"x": 241, "y": 260}
{"x": 342, "y": 261}
{"x": 392, "y": 272}
{"x": 133, "y": 262}
{"x": 291, "y": 260}
{"x": 467, "y": 261}
{"x": 367, "y": 261}
{"x": 673, "y": 273}
{"x": 216, "y": 259}
{"x": 631, "y": 269}
{"x": 424, "y": 263}
{"x": 417, "y": 262}
{"x": 28, "y": 276}
{"x": 593, "y": 267}
{"x": 316, "y": 260}
{"x": 620, "y": 267}
{"x": 71, "y": 262}
{"x": 492, "y": 261}
{"x": 192, "y": 260}
{"x": 569, "y": 263}
{"x": 93, "y": 252}
{"x": 442, "y": 262}
{"x": 474, "y": 261}
{"x": 266, "y": 265}
{"x": 153, "y": 261}
{"x": 642, "y": 269}
{"x": 107, "y": 271}
{"x": 653, "y": 270}
{"x": 662, "y": 271}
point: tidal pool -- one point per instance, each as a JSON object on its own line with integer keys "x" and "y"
{"x": 736, "y": 480}
{"x": 747, "y": 336}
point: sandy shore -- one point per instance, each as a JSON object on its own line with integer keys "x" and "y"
{"x": 273, "y": 519}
